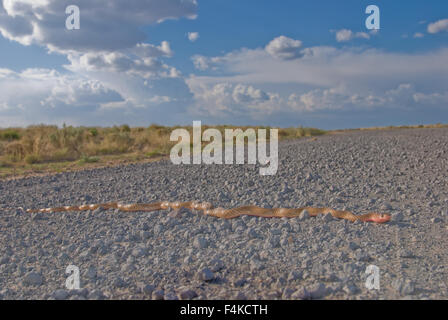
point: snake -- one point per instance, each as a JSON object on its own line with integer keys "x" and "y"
{"x": 207, "y": 209}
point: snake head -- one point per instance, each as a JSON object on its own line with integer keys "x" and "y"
{"x": 380, "y": 217}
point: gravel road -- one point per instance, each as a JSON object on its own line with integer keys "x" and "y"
{"x": 182, "y": 255}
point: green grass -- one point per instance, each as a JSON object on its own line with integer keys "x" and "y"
{"x": 86, "y": 159}
{"x": 154, "y": 154}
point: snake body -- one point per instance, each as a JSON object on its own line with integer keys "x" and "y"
{"x": 207, "y": 209}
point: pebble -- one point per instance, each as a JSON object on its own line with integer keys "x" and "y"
{"x": 200, "y": 243}
{"x": 60, "y": 294}
{"x": 33, "y": 279}
{"x": 403, "y": 286}
{"x": 327, "y": 218}
{"x": 187, "y": 294}
{"x": 147, "y": 289}
{"x": 240, "y": 283}
{"x": 436, "y": 220}
{"x": 350, "y": 289}
{"x": 96, "y": 294}
{"x": 318, "y": 291}
{"x": 119, "y": 283}
{"x": 240, "y": 296}
{"x": 301, "y": 294}
{"x": 206, "y": 275}
{"x": 304, "y": 215}
{"x": 397, "y": 217}
{"x": 353, "y": 246}
{"x": 294, "y": 275}
{"x": 158, "y": 295}
{"x": 139, "y": 252}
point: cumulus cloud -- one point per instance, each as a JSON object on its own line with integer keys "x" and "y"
{"x": 117, "y": 62}
{"x": 438, "y": 26}
{"x": 330, "y": 66}
{"x": 149, "y": 50}
{"x": 284, "y": 48}
{"x": 345, "y": 35}
{"x": 193, "y": 36}
{"x": 324, "y": 79}
{"x": 52, "y": 87}
{"x": 105, "y": 24}
{"x": 204, "y": 63}
{"x": 108, "y": 56}
{"x": 227, "y": 100}
{"x": 339, "y": 98}
{"x": 48, "y": 96}
{"x": 248, "y": 94}
{"x": 44, "y": 95}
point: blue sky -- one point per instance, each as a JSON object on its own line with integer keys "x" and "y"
{"x": 280, "y": 63}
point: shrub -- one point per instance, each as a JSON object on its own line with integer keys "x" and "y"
{"x": 63, "y": 154}
{"x": 10, "y": 135}
{"x": 32, "y": 159}
{"x": 125, "y": 128}
{"x": 15, "y": 151}
{"x": 93, "y": 132}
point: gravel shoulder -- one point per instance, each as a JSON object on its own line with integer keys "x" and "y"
{"x": 182, "y": 255}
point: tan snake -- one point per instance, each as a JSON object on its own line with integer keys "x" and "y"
{"x": 207, "y": 209}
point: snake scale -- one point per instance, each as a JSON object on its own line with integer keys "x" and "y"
{"x": 207, "y": 209}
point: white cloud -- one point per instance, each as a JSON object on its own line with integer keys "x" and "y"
{"x": 228, "y": 101}
{"x": 193, "y": 36}
{"x": 418, "y": 35}
{"x": 329, "y": 66}
{"x": 144, "y": 50}
{"x": 204, "y": 63}
{"x": 438, "y": 26}
{"x": 284, "y": 48}
{"x": 320, "y": 79}
{"x": 117, "y": 62}
{"x": 200, "y": 62}
{"x": 48, "y": 96}
{"x": 109, "y": 49}
{"x": 44, "y": 95}
{"x": 248, "y": 94}
{"x": 105, "y": 24}
{"x": 51, "y": 86}
{"x": 345, "y": 35}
